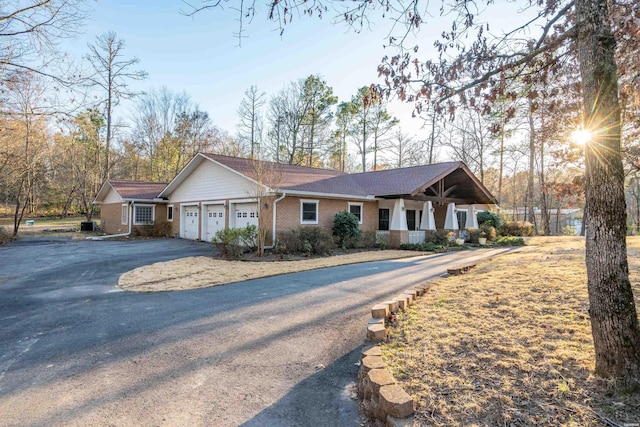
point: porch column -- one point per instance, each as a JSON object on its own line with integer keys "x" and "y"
{"x": 472, "y": 219}
{"x": 428, "y": 221}
{"x": 398, "y": 230}
{"x": 451, "y": 221}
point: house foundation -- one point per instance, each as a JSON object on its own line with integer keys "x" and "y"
{"x": 398, "y": 237}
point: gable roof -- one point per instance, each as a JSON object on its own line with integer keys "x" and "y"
{"x": 131, "y": 190}
{"x": 387, "y": 182}
{"x": 270, "y": 174}
{"x": 276, "y": 175}
{"x": 411, "y": 181}
{"x": 417, "y": 181}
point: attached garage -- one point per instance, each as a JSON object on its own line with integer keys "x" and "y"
{"x": 213, "y": 221}
{"x": 189, "y": 222}
{"x": 245, "y": 214}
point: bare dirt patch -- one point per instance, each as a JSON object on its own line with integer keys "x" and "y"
{"x": 201, "y": 272}
{"x": 510, "y": 344}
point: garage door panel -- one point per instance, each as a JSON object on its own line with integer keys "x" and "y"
{"x": 246, "y": 214}
{"x": 214, "y": 220}
{"x": 189, "y": 228}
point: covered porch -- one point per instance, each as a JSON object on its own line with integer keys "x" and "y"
{"x": 449, "y": 202}
{"x": 408, "y": 221}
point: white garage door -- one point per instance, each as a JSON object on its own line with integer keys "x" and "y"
{"x": 246, "y": 214}
{"x": 189, "y": 226}
{"x": 213, "y": 221}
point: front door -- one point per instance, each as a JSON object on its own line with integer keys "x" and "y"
{"x": 411, "y": 219}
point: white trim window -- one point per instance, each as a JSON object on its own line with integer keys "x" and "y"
{"x": 124, "y": 214}
{"x": 170, "y": 213}
{"x": 309, "y": 211}
{"x": 356, "y": 209}
{"x": 144, "y": 214}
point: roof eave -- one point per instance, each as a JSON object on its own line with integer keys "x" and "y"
{"x": 100, "y": 196}
{"x": 138, "y": 200}
{"x": 326, "y": 195}
{"x": 479, "y": 184}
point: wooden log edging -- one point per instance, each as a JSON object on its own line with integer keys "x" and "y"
{"x": 382, "y": 398}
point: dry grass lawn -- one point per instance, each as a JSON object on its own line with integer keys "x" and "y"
{"x": 510, "y": 345}
{"x": 202, "y": 272}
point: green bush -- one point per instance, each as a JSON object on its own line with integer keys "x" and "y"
{"x": 517, "y": 228}
{"x": 305, "y": 241}
{"x": 233, "y": 242}
{"x": 345, "y": 228}
{"x": 489, "y": 217}
{"x": 510, "y": 241}
{"x": 422, "y": 247}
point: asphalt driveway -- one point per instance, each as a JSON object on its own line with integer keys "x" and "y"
{"x": 281, "y": 351}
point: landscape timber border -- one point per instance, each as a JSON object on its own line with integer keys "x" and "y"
{"x": 382, "y": 398}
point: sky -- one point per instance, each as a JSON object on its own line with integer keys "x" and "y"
{"x": 200, "y": 54}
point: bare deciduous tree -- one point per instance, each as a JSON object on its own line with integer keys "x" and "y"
{"x": 30, "y": 31}
{"x": 249, "y": 112}
{"x": 111, "y": 73}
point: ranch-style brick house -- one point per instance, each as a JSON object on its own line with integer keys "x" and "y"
{"x": 213, "y": 192}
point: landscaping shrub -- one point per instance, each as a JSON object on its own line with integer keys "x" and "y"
{"x": 368, "y": 240}
{"x": 510, "y": 241}
{"x": 305, "y": 241}
{"x": 489, "y": 217}
{"x": 345, "y": 228}
{"x": 474, "y": 234}
{"x": 158, "y": 229}
{"x": 422, "y": 247}
{"x": 516, "y": 228}
{"x": 438, "y": 237}
{"x": 233, "y": 242}
{"x": 488, "y": 231}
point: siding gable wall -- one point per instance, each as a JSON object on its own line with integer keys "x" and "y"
{"x": 112, "y": 197}
{"x": 210, "y": 181}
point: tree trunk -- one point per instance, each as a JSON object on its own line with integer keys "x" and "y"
{"x": 614, "y": 319}
{"x": 501, "y": 170}
{"x": 433, "y": 135}
{"x": 544, "y": 193}
{"x": 532, "y": 161}
{"x": 110, "y": 84}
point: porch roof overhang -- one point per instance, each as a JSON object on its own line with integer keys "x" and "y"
{"x": 435, "y": 199}
{"x": 458, "y": 186}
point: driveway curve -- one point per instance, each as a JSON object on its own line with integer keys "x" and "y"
{"x": 279, "y": 351}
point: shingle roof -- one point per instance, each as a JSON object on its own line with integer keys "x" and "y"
{"x": 387, "y": 182}
{"x": 384, "y": 183}
{"x": 276, "y": 175}
{"x": 137, "y": 189}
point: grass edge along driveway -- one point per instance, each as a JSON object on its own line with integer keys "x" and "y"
{"x": 510, "y": 344}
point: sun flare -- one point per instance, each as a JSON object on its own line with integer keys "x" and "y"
{"x": 581, "y": 136}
